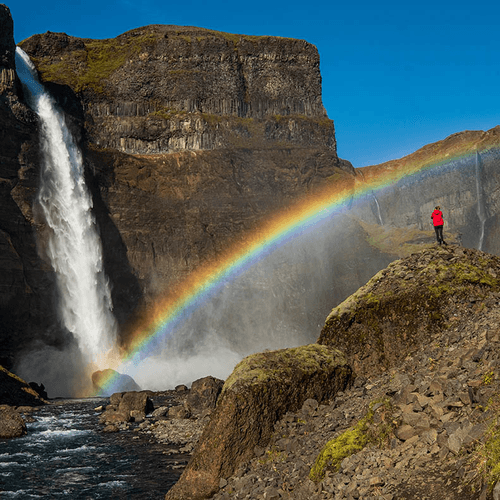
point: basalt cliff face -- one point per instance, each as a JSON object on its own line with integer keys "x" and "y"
{"x": 160, "y": 89}
{"x": 191, "y": 137}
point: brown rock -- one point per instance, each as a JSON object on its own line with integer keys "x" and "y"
{"x": 204, "y": 393}
{"x": 405, "y": 432}
{"x": 261, "y": 389}
{"x": 11, "y": 424}
{"x": 112, "y": 416}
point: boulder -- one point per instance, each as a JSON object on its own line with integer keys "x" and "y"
{"x": 127, "y": 406}
{"x": 107, "y": 381}
{"x": 261, "y": 389}
{"x": 113, "y": 415}
{"x": 204, "y": 393}
{"x": 179, "y": 412}
{"x": 11, "y": 424}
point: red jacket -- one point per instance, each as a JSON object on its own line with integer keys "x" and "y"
{"x": 437, "y": 218}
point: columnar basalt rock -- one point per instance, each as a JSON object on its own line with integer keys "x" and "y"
{"x": 172, "y": 88}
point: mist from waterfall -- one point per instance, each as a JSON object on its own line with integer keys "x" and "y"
{"x": 481, "y": 212}
{"x": 73, "y": 244}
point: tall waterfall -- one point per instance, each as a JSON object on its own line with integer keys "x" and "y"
{"x": 481, "y": 211}
{"x": 73, "y": 245}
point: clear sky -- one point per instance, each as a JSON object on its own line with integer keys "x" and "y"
{"x": 396, "y": 74}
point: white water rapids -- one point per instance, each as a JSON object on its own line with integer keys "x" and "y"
{"x": 73, "y": 244}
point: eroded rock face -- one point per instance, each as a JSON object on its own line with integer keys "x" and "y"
{"x": 262, "y": 388}
{"x": 204, "y": 393}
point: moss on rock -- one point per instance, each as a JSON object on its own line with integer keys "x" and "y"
{"x": 404, "y": 304}
{"x": 368, "y": 430}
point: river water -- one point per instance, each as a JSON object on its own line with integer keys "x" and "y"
{"x": 66, "y": 455}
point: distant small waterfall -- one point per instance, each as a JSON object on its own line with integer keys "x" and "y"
{"x": 379, "y": 214}
{"x": 73, "y": 246}
{"x": 481, "y": 211}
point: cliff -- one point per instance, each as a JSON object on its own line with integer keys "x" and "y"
{"x": 160, "y": 89}
{"x": 190, "y": 139}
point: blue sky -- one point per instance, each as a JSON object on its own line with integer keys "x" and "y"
{"x": 396, "y": 75}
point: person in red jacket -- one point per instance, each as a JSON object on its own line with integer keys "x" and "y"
{"x": 437, "y": 220}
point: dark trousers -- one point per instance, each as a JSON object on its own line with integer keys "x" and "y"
{"x": 439, "y": 233}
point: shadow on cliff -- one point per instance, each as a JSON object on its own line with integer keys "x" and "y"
{"x": 126, "y": 291}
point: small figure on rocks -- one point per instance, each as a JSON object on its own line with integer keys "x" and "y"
{"x": 437, "y": 220}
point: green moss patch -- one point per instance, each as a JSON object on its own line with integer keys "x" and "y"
{"x": 275, "y": 365}
{"x": 375, "y": 427}
{"x": 87, "y": 67}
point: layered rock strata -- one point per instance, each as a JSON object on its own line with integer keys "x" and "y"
{"x": 161, "y": 89}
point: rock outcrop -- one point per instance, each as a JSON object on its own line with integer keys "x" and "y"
{"x": 14, "y": 391}
{"x": 261, "y": 389}
{"x": 106, "y": 382}
{"x": 406, "y": 303}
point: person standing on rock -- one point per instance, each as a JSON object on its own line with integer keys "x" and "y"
{"x": 437, "y": 220}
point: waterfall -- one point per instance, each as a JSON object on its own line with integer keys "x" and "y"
{"x": 379, "y": 214}
{"x": 73, "y": 245}
{"x": 481, "y": 212}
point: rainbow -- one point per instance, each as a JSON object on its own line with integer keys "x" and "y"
{"x": 278, "y": 229}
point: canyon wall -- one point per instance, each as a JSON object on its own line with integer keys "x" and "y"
{"x": 190, "y": 137}
{"x": 191, "y": 140}
{"x": 26, "y": 283}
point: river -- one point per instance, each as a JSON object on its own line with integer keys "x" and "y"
{"x": 66, "y": 455}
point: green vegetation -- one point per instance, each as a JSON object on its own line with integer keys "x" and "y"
{"x": 271, "y": 365}
{"x": 486, "y": 456}
{"x": 375, "y": 427}
{"x": 456, "y": 276}
{"x": 168, "y": 113}
{"x": 89, "y": 66}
